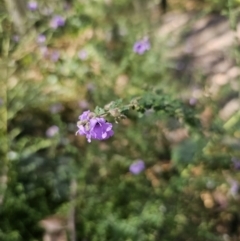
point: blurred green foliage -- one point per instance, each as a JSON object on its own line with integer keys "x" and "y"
{"x": 185, "y": 192}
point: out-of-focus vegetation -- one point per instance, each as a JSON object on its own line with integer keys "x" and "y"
{"x": 189, "y": 188}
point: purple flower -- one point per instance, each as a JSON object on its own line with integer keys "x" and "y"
{"x": 192, "y": 101}
{"x": 55, "y": 56}
{"x": 82, "y": 54}
{"x": 32, "y": 5}
{"x": 57, "y": 21}
{"x": 85, "y": 116}
{"x": 141, "y": 46}
{"x": 41, "y": 39}
{"x": 94, "y": 127}
{"x": 52, "y": 131}
{"x": 137, "y": 167}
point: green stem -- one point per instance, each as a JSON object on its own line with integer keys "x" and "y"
{"x": 233, "y": 24}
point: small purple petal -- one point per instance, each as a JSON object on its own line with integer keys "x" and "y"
{"x": 84, "y": 116}
{"x": 52, "y": 131}
{"x": 137, "y": 167}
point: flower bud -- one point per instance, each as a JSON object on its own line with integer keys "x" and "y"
{"x": 115, "y": 112}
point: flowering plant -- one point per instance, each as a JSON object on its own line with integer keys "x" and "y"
{"x": 94, "y": 126}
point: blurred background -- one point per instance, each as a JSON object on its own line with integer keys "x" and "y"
{"x": 156, "y": 179}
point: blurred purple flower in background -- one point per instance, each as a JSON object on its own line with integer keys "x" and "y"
{"x": 32, "y": 5}
{"x": 192, "y": 101}
{"x": 56, "y": 108}
{"x": 236, "y": 163}
{"x": 94, "y": 127}
{"x": 82, "y": 54}
{"x": 141, "y": 46}
{"x": 52, "y": 131}
{"x": 41, "y": 39}
{"x": 57, "y": 21}
{"x": 137, "y": 167}
{"x": 55, "y": 56}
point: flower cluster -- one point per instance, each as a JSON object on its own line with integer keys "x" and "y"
{"x": 94, "y": 127}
